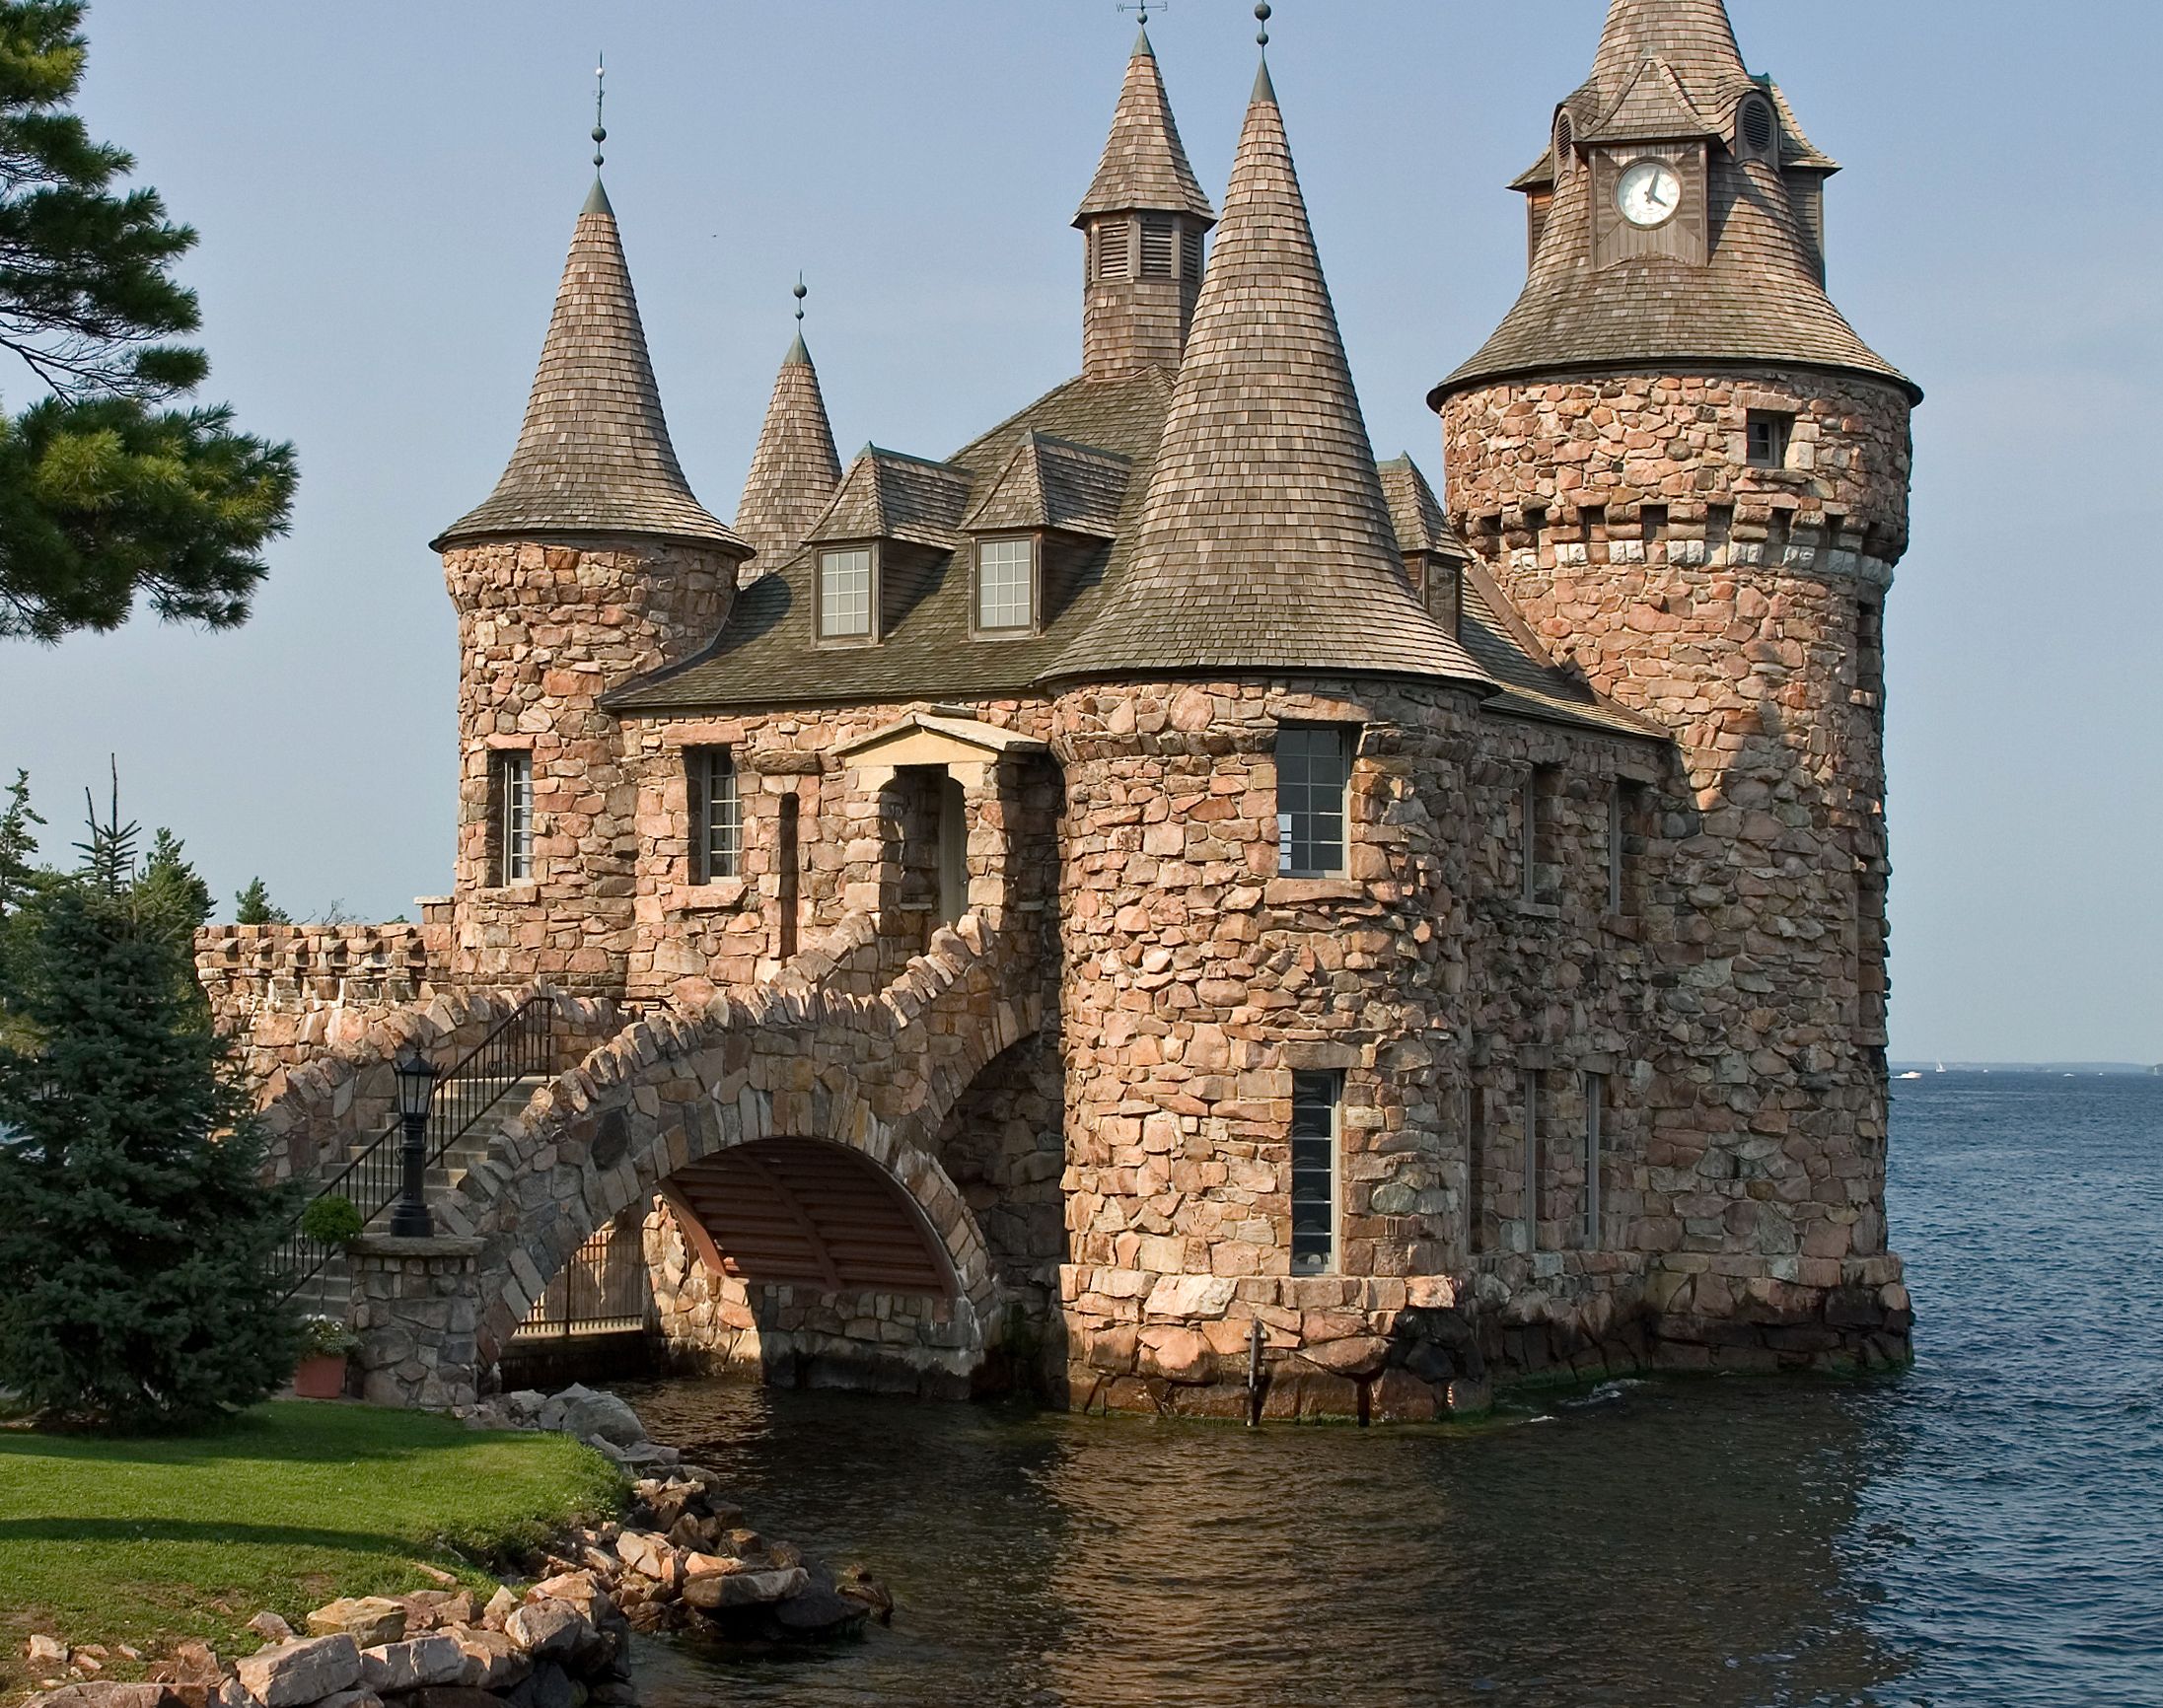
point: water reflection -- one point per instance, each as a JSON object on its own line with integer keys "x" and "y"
{"x": 1653, "y": 1545}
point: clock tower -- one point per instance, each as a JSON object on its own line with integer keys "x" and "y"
{"x": 1690, "y": 475}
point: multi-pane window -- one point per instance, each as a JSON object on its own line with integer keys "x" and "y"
{"x": 511, "y": 775}
{"x": 1769, "y": 436}
{"x": 1315, "y": 1101}
{"x": 1006, "y": 584}
{"x": 844, "y": 593}
{"x": 1314, "y": 775}
{"x": 717, "y": 814}
{"x": 1596, "y": 1090}
{"x": 1530, "y": 1211}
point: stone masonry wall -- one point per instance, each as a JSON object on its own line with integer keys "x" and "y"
{"x": 544, "y": 631}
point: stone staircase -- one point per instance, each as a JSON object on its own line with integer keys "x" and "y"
{"x": 329, "y": 1291}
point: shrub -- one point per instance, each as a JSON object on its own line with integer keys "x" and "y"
{"x": 333, "y": 1219}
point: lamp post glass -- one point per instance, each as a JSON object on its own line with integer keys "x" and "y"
{"x": 416, "y": 1081}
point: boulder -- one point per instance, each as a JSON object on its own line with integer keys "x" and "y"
{"x": 367, "y": 1619}
{"x": 492, "y": 1661}
{"x": 860, "y": 1586}
{"x": 820, "y": 1613}
{"x": 549, "y": 1687}
{"x": 412, "y": 1663}
{"x": 547, "y": 1630}
{"x": 270, "y": 1628}
{"x": 436, "y": 1610}
{"x": 451, "y": 1696}
{"x": 585, "y": 1412}
{"x": 746, "y": 1589}
{"x": 105, "y": 1694}
{"x": 306, "y": 1670}
{"x": 647, "y": 1554}
{"x": 360, "y": 1698}
{"x": 44, "y": 1651}
{"x": 501, "y": 1606}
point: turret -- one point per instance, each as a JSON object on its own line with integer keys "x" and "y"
{"x": 589, "y": 564}
{"x": 1690, "y": 476}
{"x": 796, "y": 470}
{"x": 1146, "y": 221}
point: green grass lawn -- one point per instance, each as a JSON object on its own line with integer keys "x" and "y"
{"x": 130, "y": 1541}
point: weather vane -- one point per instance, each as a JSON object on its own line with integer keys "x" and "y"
{"x": 1142, "y": 7}
{"x": 600, "y": 94}
{"x": 1262, "y": 12}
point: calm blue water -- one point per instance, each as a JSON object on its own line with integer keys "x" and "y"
{"x": 1986, "y": 1528}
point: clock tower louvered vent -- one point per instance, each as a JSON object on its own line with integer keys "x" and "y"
{"x": 1190, "y": 266}
{"x": 1758, "y": 127}
{"x": 1112, "y": 250}
{"x": 1156, "y": 248}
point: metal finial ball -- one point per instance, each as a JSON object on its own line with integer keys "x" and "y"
{"x": 1261, "y": 11}
{"x": 600, "y": 135}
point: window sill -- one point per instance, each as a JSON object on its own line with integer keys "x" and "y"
{"x": 1539, "y": 910}
{"x": 722, "y": 896}
{"x": 1297, "y": 892}
{"x": 511, "y": 894}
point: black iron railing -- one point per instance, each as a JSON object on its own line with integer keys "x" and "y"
{"x": 604, "y": 1288}
{"x": 516, "y": 1048}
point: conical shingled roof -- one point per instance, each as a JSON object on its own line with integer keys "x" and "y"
{"x": 795, "y": 470}
{"x": 1266, "y": 542}
{"x": 1144, "y": 165}
{"x": 594, "y": 455}
{"x": 1758, "y": 298}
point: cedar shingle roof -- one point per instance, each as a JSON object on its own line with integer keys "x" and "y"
{"x": 594, "y": 453}
{"x": 890, "y": 495}
{"x": 1672, "y": 67}
{"x": 1415, "y": 513}
{"x": 1144, "y": 165}
{"x": 1265, "y": 543}
{"x": 1049, "y": 483}
{"x": 795, "y": 470}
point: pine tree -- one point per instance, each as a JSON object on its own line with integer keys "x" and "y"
{"x": 112, "y": 486}
{"x": 18, "y": 844}
{"x": 257, "y": 907}
{"x": 134, "y": 1233}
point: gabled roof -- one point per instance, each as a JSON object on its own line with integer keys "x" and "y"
{"x": 1758, "y": 298}
{"x": 1415, "y": 513}
{"x": 1052, "y": 484}
{"x": 924, "y": 733}
{"x": 890, "y": 495}
{"x": 1265, "y": 543}
{"x": 594, "y": 456}
{"x": 1144, "y": 165}
{"x": 795, "y": 470}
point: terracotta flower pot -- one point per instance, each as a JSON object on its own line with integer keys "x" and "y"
{"x": 322, "y": 1377}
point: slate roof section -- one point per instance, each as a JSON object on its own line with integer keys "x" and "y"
{"x": 594, "y": 456}
{"x": 1144, "y": 164}
{"x": 1054, "y": 485}
{"x": 1415, "y": 513}
{"x": 1758, "y": 299}
{"x": 795, "y": 470}
{"x": 1265, "y": 543}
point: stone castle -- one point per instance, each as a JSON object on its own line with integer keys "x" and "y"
{"x": 1156, "y": 902}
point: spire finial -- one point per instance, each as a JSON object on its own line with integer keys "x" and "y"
{"x": 1262, "y": 15}
{"x": 1142, "y": 8}
{"x": 800, "y": 294}
{"x": 600, "y": 94}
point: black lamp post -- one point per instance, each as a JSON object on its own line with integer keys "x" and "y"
{"x": 416, "y": 1077}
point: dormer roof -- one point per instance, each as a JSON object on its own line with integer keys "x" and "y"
{"x": 1054, "y": 485}
{"x": 594, "y": 456}
{"x": 1415, "y": 513}
{"x": 1145, "y": 166}
{"x": 890, "y": 495}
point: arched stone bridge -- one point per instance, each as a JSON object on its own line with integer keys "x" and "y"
{"x": 791, "y": 1128}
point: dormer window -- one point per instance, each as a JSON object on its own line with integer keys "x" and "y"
{"x": 848, "y": 578}
{"x": 1006, "y": 585}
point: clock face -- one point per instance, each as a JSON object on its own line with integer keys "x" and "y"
{"x": 1649, "y": 193}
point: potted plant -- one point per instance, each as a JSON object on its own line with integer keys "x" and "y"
{"x": 326, "y": 1343}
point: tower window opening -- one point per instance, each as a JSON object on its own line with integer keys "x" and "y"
{"x": 788, "y": 861}
{"x": 1623, "y": 813}
{"x": 1529, "y": 1207}
{"x": 1596, "y": 1086}
{"x": 1476, "y": 1168}
{"x": 1652, "y": 523}
{"x": 1316, "y": 1102}
{"x": 1769, "y": 435}
{"x": 1536, "y": 834}
{"x": 1114, "y": 249}
{"x": 511, "y": 779}
{"x": 844, "y": 593}
{"x": 1156, "y": 248}
{"x": 1314, "y": 775}
{"x": 716, "y": 813}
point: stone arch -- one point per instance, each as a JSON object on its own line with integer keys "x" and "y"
{"x": 876, "y": 1075}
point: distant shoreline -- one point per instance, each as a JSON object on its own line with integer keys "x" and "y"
{"x": 1948, "y": 1065}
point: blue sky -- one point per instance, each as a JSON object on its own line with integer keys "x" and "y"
{"x": 386, "y": 190}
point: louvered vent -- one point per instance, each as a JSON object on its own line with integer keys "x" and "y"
{"x": 1758, "y": 127}
{"x": 1156, "y": 250}
{"x": 1190, "y": 253}
{"x": 1112, "y": 251}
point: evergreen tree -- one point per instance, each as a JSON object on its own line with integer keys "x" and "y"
{"x": 171, "y": 896}
{"x": 134, "y": 1233}
{"x": 110, "y": 485}
{"x": 257, "y": 907}
{"x": 18, "y": 844}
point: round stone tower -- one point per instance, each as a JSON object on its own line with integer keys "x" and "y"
{"x": 1690, "y": 476}
{"x": 590, "y": 564}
